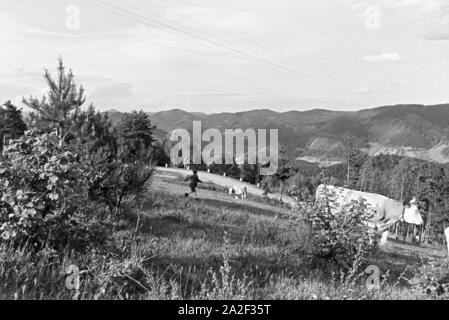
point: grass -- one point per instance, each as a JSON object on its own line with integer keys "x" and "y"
{"x": 179, "y": 179}
{"x": 176, "y": 248}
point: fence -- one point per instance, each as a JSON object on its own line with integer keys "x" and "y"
{"x": 433, "y": 235}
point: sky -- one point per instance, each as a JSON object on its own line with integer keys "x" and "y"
{"x": 230, "y": 55}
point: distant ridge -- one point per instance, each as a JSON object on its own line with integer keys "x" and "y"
{"x": 412, "y": 130}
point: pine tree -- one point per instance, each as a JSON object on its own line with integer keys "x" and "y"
{"x": 12, "y": 125}
{"x": 11, "y": 119}
{"x": 55, "y": 110}
{"x": 135, "y": 136}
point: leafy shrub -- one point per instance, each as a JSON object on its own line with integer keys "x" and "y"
{"x": 114, "y": 181}
{"x": 339, "y": 232}
{"x": 43, "y": 192}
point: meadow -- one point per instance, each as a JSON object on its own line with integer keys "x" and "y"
{"x": 171, "y": 247}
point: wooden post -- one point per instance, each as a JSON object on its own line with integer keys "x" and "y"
{"x": 405, "y": 231}
{"x": 420, "y": 230}
{"x": 257, "y": 174}
{"x": 414, "y": 233}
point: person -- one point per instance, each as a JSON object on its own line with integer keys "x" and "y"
{"x": 194, "y": 180}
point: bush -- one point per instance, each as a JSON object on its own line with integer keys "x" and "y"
{"x": 340, "y": 233}
{"x": 43, "y": 193}
{"x": 114, "y": 181}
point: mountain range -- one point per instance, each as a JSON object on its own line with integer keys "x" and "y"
{"x": 317, "y": 135}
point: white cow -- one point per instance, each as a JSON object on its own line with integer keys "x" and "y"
{"x": 239, "y": 191}
{"x": 386, "y": 211}
{"x": 446, "y": 234}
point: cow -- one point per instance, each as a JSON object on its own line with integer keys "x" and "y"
{"x": 386, "y": 211}
{"x": 239, "y": 191}
{"x": 446, "y": 234}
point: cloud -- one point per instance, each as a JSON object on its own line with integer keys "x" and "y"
{"x": 399, "y": 82}
{"x": 110, "y": 93}
{"x": 430, "y": 18}
{"x": 213, "y": 94}
{"x": 363, "y": 90}
{"x": 33, "y": 31}
{"x": 8, "y": 29}
{"x": 435, "y": 35}
{"x": 114, "y": 89}
{"x": 18, "y": 82}
{"x": 216, "y": 18}
{"x": 384, "y": 57}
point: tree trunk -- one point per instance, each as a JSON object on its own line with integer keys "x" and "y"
{"x": 4, "y": 144}
{"x": 427, "y": 229}
{"x": 363, "y": 179}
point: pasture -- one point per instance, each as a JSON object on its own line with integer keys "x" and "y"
{"x": 213, "y": 247}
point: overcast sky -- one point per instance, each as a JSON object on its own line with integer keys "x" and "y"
{"x": 230, "y": 55}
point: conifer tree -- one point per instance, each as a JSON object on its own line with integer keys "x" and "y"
{"x": 135, "y": 136}
{"x": 56, "y": 108}
{"x": 12, "y": 125}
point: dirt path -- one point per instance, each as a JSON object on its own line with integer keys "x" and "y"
{"x": 219, "y": 198}
{"x": 228, "y": 182}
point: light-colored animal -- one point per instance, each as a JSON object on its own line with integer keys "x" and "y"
{"x": 386, "y": 211}
{"x": 239, "y": 192}
{"x": 446, "y": 234}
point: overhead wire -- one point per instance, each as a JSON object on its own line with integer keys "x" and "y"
{"x": 154, "y": 20}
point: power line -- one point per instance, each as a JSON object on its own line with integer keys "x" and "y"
{"x": 337, "y": 76}
{"x": 248, "y": 56}
{"x": 329, "y": 73}
{"x": 268, "y": 60}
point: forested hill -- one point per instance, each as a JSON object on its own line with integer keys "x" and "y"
{"x": 318, "y": 135}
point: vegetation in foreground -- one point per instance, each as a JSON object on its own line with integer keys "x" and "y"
{"x": 175, "y": 248}
{"x": 78, "y": 220}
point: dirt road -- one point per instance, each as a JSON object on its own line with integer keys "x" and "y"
{"x": 219, "y": 198}
{"x": 229, "y": 182}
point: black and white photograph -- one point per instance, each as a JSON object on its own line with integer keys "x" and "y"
{"x": 242, "y": 151}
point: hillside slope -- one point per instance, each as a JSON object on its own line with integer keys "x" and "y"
{"x": 317, "y": 135}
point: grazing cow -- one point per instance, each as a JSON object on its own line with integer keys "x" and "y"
{"x": 239, "y": 191}
{"x": 386, "y": 211}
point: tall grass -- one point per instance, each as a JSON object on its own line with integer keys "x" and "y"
{"x": 176, "y": 248}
